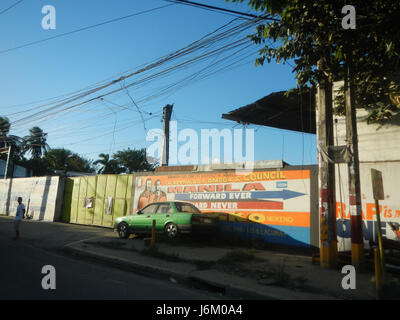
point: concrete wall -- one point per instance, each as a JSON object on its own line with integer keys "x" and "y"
{"x": 377, "y": 143}
{"x": 42, "y": 197}
{"x": 379, "y": 148}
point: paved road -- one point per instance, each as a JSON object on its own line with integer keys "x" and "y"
{"x": 22, "y": 261}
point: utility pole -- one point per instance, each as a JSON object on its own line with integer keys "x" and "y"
{"x": 357, "y": 239}
{"x": 9, "y": 165}
{"x": 167, "y": 111}
{"x": 326, "y": 174}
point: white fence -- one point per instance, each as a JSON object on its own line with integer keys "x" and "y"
{"x": 42, "y": 196}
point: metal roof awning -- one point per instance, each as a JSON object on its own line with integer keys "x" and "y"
{"x": 295, "y": 112}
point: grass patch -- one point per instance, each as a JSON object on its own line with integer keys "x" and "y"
{"x": 238, "y": 255}
{"x": 154, "y": 252}
{"x": 284, "y": 279}
{"x": 280, "y": 275}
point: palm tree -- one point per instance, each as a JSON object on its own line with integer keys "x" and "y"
{"x": 35, "y": 143}
{"x": 133, "y": 160}
{"x": 7, "y": 140}
{"x": 64, "y": 159}
{"x": 107, "y": 165}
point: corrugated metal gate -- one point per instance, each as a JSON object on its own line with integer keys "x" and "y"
{"x": 97, "y": 200}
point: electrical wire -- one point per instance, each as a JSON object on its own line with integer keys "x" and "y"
{"x": 210, "y": 46}
{"x": 83, "y": 29}
{"x": 222, "y": 10}
{"x": 10, "y": 7}
{"x": 157, "y": 63}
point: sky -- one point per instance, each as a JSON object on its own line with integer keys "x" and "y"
{"x": 37, "y": 74}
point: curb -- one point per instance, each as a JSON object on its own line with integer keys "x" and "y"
{"x": 230, "y": 291}
{"x": 143, "y": 269}
{"x": 147, "y": 270}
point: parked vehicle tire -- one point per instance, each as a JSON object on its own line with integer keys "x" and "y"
{"x": 123, "y": 230}
{"x": 171, "y": 230}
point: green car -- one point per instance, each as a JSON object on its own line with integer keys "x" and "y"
{"x": 172, "y": 218}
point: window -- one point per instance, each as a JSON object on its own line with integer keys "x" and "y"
{"x": 186, "y": 207}
{"x": 149, "y": 209}
{"x": 164, "y": 208}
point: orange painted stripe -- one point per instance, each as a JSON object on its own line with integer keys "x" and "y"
{"x": 296, "y": 219}
{"x": 227, "y": 177}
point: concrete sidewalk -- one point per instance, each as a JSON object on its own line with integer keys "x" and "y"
{"x": 238, "y": 272}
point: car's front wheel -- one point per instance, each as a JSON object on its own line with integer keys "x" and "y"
{"x": 171, "y": 230}
{"x": 123, "y": 230}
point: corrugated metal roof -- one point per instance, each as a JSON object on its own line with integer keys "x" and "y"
{"x": 296, "y": 112}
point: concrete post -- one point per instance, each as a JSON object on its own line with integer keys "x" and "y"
{"x": 357, "y": 240}
{"x": 327, "y": 207}
{"x": 165, "y": 150}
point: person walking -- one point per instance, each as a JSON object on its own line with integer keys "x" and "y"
{"x": 18, "y": 217}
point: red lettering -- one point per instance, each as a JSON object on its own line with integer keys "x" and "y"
{"x": 253, "y": 186}
{"x": 188, "y": 189}
{"x": 209, "y": 188}
{"x": 174, "y": 189}
{"x": 228, "y": 187}
{"x": 340, "y": 210}
{"x": 371, "y": 210}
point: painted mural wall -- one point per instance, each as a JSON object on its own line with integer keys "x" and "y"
{"x": 273, "y": 205}
{"x": 389, "y": 208}
{"x": 379, "y": 148}
{"x": 42, "y": 197}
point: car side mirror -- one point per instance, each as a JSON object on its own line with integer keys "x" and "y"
{"x": 139, "y": 212}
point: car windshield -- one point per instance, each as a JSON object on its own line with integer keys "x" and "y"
{"x": 186, "y": 207}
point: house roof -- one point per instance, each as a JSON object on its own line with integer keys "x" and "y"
{"x": 295, "y": 112}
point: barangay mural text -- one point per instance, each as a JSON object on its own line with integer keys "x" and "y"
{"x": 255, "y": 176}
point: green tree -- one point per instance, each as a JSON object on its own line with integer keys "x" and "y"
{"x": 38, "y": 167}
{"x": 108, "y": 165}
{"x": 64, "y": 159}
{"x": 133, "y": 160}
{"x": 4, "y": 130}
{"x": 309, "y": 32}
{"x": 35, "y": 143}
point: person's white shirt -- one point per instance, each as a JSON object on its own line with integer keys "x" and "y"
{"x": 20, "y": 212}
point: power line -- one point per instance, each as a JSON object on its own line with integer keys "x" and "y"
{"x": 84, "y": 28}
{"x": 10, "y": 7}
{"x": 213, "y": 8}
{"x": 207, "y": 41}
{"x": 210, "y": 46}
